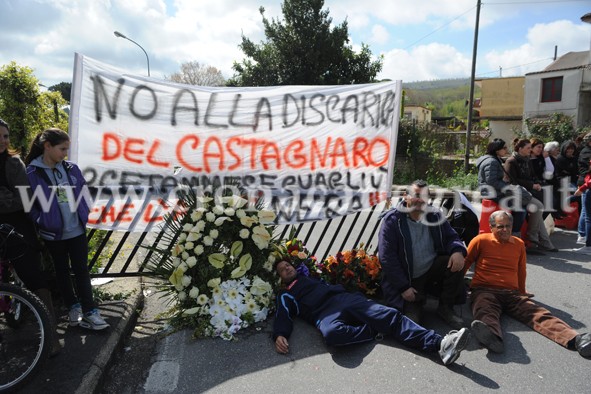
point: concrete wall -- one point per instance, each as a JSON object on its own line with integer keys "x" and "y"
{"x": 504, "y": 129}
{"x": 501, "y": 97}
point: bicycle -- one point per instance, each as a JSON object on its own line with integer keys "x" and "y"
{"x": 25, "y": 324}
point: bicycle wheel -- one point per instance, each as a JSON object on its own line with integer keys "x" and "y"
{"x": 23, "y": 350}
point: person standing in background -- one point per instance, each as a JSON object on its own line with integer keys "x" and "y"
{"x": 63, "y": 230}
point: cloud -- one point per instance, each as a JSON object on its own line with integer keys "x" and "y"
{"x": 425, "y": 62}
{"x": 379, "y": 35}
{"x": 538, "y": 51}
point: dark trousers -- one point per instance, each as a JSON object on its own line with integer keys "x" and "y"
{"x": 25, "y": 253}
{"x": 72, "y": 253}
{"x": 349, "y": 318}
{"x": 439, "y": 280}
{"x": 489, "y": 304}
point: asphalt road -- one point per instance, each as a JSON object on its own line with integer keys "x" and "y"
{"x": 177, "y": 363}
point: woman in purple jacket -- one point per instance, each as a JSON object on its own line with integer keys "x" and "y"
{"x": 61, "y": 221}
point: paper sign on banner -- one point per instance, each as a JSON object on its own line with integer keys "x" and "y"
{"x": 312, "y": 152}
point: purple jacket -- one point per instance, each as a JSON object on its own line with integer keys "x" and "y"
{"x": 50, "y": 224}
{"x": 395, "y": 251}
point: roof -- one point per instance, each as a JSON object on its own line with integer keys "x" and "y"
{"x": 568, "y": 61}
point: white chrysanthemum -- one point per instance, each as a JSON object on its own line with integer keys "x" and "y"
{"x": 176, "y": 262}
{"x": 182, "y": 296}
{"x": 214, "y": 234}
{"x": 207, "y": 241}
{"x": 187, "y": 227}
{"x": 218, "y": 210}
{"x": 189, "y": 246}
{"x": 185, "y": 255}
{"x": 202, "y": 299}
{"x": 183, "y": 266}
{"x": 210, "y": 216}
{"x": 199, "y": 250}
{"x": 268, "y": 266}
{"x": 229, "y": 211}
{"x": 192, "y": 237}
{"x": 240, "y": 213}
{"x": 196, "y": 215}
{"x": 199, "y": 226}
{"x": 182, "y": 237}
{"x": 191, "y": 261}
{"x": 252, "y": 306}
{"x": 194, "y": 292}
{"x": 244, "y": 233}
{"x": 186, "y": 281}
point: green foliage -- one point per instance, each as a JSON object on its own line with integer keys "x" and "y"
{"x": 459, "y": 179}
{"x": 557, "y": 127}
{"x": 444, "y": 97}
{"x": 93, "y": 246}
{"x": 304, "y": 49}
{"x": 64, "y": 88}
{"x": 27, "y": 110}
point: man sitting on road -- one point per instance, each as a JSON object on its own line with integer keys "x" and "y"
{"x": 346, "y": 318}
{"x": 421, "y": 254}
{"x": 498, "y": 286}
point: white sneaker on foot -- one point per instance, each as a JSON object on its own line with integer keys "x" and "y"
{"x": 581, "y": 240}
{"x": 93, "y": 320}
{"x": 583, "y": 250}
{"x": 453, "y": 344}
{"x": 75, "y": 314}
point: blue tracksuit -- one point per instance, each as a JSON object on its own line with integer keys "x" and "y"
{"x": 346, "y": 318}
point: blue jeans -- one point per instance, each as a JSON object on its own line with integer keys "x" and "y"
{"x": 72, "y": 253}
{"x": 587, "y": 216}
{"x": 582, "y": 230}
{"x": 349, "y": 318}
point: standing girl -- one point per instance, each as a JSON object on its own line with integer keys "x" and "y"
{"x": 62, "y": 222}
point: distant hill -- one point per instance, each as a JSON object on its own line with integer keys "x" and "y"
{"x": 437, "y": 84}
{"x": 446, "y": 97}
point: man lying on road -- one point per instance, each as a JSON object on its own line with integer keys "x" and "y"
{"x": 346, "y": 318}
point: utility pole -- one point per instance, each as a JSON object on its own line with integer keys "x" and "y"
{"x": 471, "y": 103}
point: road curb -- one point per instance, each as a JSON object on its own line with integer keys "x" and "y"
{"x": 105, "y": 357}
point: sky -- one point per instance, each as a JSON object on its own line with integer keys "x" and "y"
{"x": 419, "y": 39}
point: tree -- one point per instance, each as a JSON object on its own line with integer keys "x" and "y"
{"x": 65, "y": 89}
{"x": 27, "y": 110}
{"x": 304, "y": 50}
{"x": 556, "y": 127}
{"x": 195, "y": 73}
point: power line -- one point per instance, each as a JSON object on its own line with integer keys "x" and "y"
{"x": 439, "y": 28}
{"x": 509, "y": 68}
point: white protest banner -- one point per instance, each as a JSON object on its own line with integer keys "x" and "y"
{"x": 312, "y": 152}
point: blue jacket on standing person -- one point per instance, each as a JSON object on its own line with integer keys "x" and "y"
{"x": 51, "y": 222}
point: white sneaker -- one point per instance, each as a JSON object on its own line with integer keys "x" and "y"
{"x": 75, "y": 315}
{"x": 453, "y": 344}
{"x": 581, "y": 240}
{"x": 583, "y": 250}
{"x": 93, "y": 321}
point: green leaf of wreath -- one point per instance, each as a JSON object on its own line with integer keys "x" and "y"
{"x": 217, "y": 260}
{"x": 236, "y": 248}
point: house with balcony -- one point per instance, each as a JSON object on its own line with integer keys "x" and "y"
{"x": 501, "y": 102}
{"x": 564, "y": 86}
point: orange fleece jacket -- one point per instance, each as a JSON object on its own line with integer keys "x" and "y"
{"x": 498, "y": 265}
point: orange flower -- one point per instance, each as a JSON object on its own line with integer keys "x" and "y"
{"x": 347, "y": 256}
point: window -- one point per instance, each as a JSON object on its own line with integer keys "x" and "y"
{"x": 551, "y": 89}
